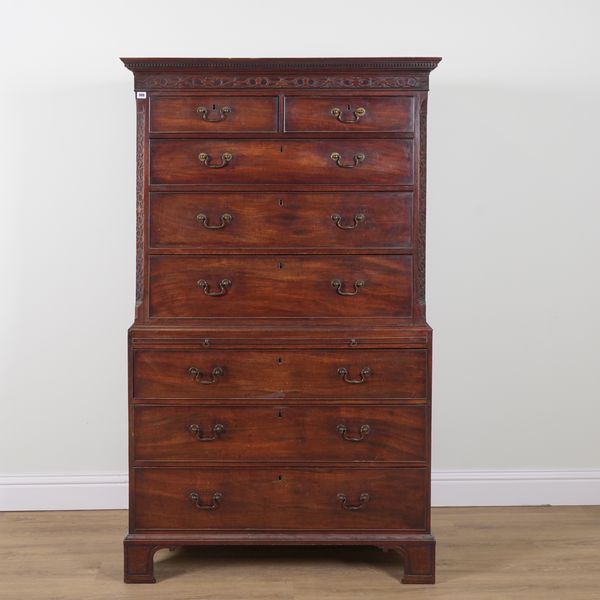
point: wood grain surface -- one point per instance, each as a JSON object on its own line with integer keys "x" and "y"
{"x": 268, "y": 221}
{"x": 281, "y": 286}
{"x": 310, "y": 374}
{"x": 314, "y": 433}
{"x": 382, "y": 113}
{"x": 231, "y": 114}
{"x": 284, "y": 161}
{"x": 281, "y": 499}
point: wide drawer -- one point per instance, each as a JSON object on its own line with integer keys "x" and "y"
{"x": 330, "y": 161}
{"x": 281, "y": 286}
{"x": 283, "y": 220}
{"x": 318, "y": 433}
{"x": 213, "y": 114}
{"x": 347, "y": 374}
{"x": 287, "y": 498}
{"x": 349, "y": 113}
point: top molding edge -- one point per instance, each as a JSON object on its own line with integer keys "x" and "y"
{"x": 281, "y": 64}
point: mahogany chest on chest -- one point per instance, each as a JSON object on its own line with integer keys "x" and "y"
{"x": 280, "y": 361}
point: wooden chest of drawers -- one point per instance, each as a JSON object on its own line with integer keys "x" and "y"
{"x": 280, "y": 361}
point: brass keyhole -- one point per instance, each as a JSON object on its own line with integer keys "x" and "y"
{"x": 280, "y": 265}
{"x": 279, "y": 360}
{"x": 280, "y": 413}
{"x": 280, "y": 201}
{"x": 279, "y": 477}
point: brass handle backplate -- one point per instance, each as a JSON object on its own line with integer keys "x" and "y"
{"x": 205, "y": 159}
{"x": 364, "y": 373}
{"x": 217, "y": 430}
{"x": 337, "y": 285}
{"x": 362, "y": 505}
{"x": 343, "y": 431}
{"x": 194, "y": 498}
{"x": 336, "y": 157}
{"x": 358, "y": 113}
{"x": 198, "y": 376}
{"x": 225, "y": 218}
{"x": 222, "y": 112}
{"x": 358, "y": 218}
{"x": 224, "y": 284}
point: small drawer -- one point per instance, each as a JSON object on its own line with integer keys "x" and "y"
{"x": 350, "y": 113}
{"x": 213, "y": 114}
{"x": 292, "y": 374}
{"x": 319, "y": 433}
{"x": 281, "y": 286}
{"x": 287, "y": 220}
{"x": 284, "y": 499}
{"x": 329, "y": 161}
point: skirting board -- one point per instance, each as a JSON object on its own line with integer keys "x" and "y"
{"x": 449, "y": 488}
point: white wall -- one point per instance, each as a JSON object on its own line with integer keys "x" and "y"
{"x": 513, "y": 283}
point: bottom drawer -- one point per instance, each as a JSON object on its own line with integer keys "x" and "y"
{"x": 288, "y": 498}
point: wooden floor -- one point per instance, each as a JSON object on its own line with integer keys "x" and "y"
{"x": 505, "y": 553}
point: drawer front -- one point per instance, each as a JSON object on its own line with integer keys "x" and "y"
{"x": 281, "y": 286}
{"x": 213, "y": 114}
{"x": 280, "y": 433}
{"x": 284, "y": 220}
{"x": 287, "y": 498}
{"x": 246, "y": 374}
{"x": 383, "y": 162}
{"x": 350, "y": 114}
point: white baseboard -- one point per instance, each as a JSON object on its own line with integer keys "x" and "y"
{"x": 515, "y": 488}
{"x": 63, "y": 492}
{"x": 449, "y": 488}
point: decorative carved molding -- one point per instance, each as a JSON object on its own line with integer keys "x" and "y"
{"x": 283, "y": 64}
{"x": 420, "y": 249}
{"x": 183, "y": 81}
{"x": 139, "y": 221}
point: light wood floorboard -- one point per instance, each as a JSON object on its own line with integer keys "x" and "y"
{"x": 533, "y": 553}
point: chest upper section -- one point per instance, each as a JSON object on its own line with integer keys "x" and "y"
{"x": 269, "y": 122}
